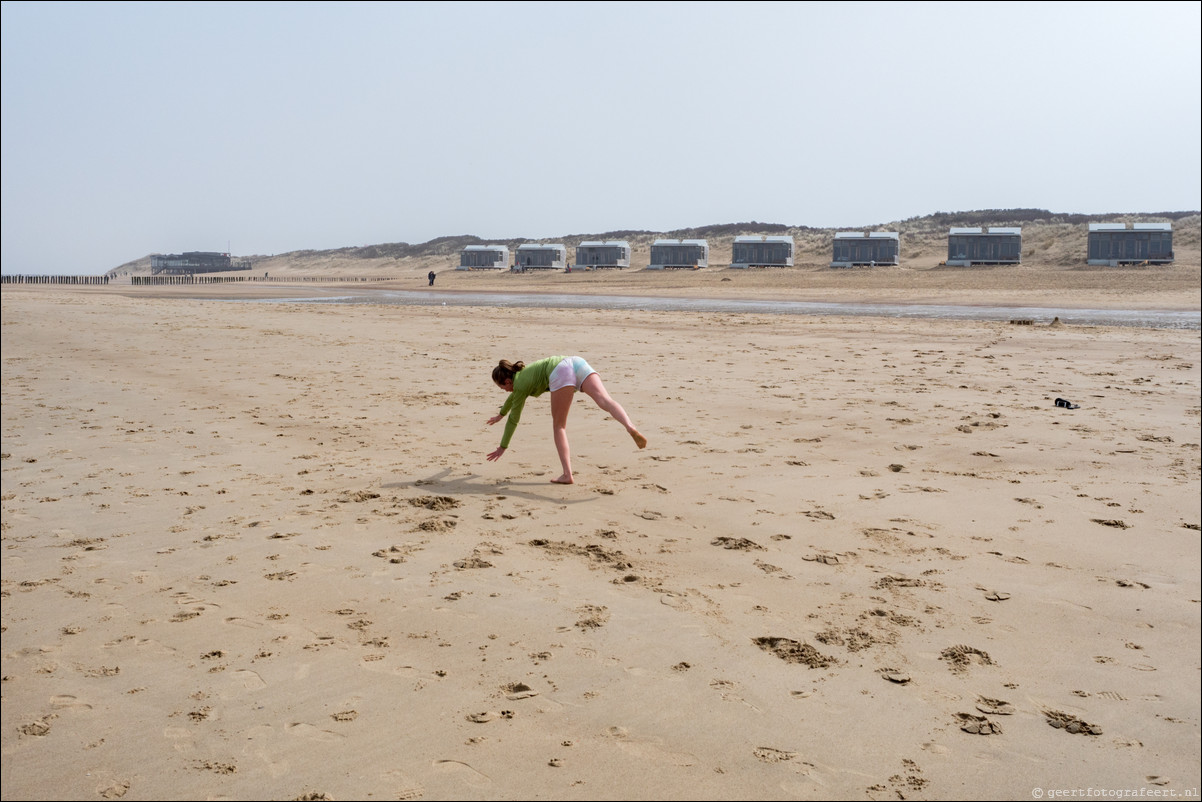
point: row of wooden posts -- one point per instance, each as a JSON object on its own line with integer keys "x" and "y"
{"x": 55, "y": 279}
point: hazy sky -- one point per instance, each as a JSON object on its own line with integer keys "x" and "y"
{"x": 260, "y": 128}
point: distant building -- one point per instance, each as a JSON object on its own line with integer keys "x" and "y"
{"x": 976, "y": 246}
{"x": 752, "y": 251}
{"x": 692, "y": 253}
{"x": 853, "y": 248}
{"x": 541, "y": 257}
{"x": 193, "y": 262}
{"x": 484, "y": 257}
{"x": 1114, "y": 244}
{"x": 597, "y": 254}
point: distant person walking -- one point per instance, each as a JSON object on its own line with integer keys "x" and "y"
{"x": 563, "y": 376}
{"x": 430, "y": 276}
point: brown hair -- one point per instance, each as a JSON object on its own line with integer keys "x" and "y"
{"x": 506, "y": 370}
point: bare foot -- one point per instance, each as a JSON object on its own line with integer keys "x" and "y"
{"x": 563, "y": 480}
{"x": 639, "y": 440}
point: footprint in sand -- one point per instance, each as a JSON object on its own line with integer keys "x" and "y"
{"x": 376, "y": 664}
{"x": 767, "y": 754}
{"x": 314, "y": 733}
{"x": 264, "y": 746}
{"x": 648, "y": 750}
{"x": 463, "y": 771}
{"x": 960, "y": 657}
{"x": 1070, "y": 723}
{"x": 113, "y": 789}
{"x": 676, "y": 602}
{"x": 896, "y": 677}
{"x": 803, "y": 779}
{"x": 729, "y": 691}
{"x": 37, "y": 728}
{"x": 994, "y": 707}
{"x": 180, "y": 737}
{"x": 518, "y": 690}
{"x": 249, "y": 680}
{"x": 736, "y": 544}
{"x": 977, "y": 725}
{"x": 66, "y": 701}
{"x": 408, "y": 788}
{"x": 769, "y": 568}
{"x": 154, "y": 646}
{"x": 489, "y": 715}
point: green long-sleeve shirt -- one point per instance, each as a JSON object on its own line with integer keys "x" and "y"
{"x": 532, "y": 380}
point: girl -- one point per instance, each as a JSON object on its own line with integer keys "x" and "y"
{"x": 563, "y": 376}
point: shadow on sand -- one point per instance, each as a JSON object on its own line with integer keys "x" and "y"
{"x": 475, "y": 485}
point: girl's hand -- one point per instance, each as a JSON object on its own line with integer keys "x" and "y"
{"x": 494, "y": 419}
{"x": 496, "y": 455}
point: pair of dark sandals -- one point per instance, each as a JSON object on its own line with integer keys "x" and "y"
{"x": 1064, "y": 402}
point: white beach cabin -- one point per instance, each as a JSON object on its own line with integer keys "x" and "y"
{"x": 1113, "y": 244}
{"x": 855, "y": 248}
{"x": 690, "y": 253}
{"x": 755, "y": 251}
{"x": 977, "y": 246}
{"x": 484, "y": 257}
{"x": 595, "y": 254}
{"x": 537, "y": 256}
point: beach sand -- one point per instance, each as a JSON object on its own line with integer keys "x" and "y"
{"x": 255, "y": 551}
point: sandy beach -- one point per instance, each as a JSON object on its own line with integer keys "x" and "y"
{"x": 255, "y": 551}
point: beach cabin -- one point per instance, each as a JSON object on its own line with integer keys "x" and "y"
{"x": 596, "y": 254}
{"x": 752, "y": 251}
{"x": 484, "y": 257}
{"x": 537, "y": 256}
{"x": 977, "y": 246}
{"x": 856, "y": 248}
{"x": 1114, "y": 244}
{"x": 691, "y": 253}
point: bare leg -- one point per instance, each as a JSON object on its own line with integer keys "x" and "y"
{"x": 595, "y": 390}
{"x": 561, "y": 403}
